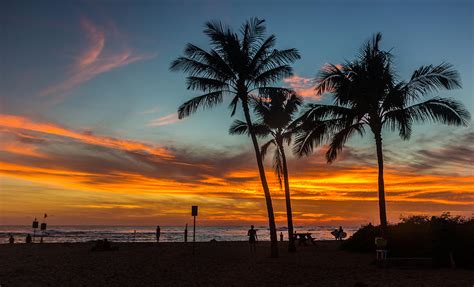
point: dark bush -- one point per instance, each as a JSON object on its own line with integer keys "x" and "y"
{"x": 420, "y": 236}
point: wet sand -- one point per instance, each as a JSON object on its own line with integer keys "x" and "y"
{"x": 214, "y": 264}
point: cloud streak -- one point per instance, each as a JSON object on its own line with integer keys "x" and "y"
{"x": 165, "y": 120}
{"x": 18, "y": 123}
{"x": 139, "y": 180}
{"x": 95, "y": 59}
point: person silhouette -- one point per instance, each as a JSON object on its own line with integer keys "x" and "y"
{"x": 11, "y": 239}
{"x": 28, "y": 238}
{"x": 158, "y": 233}
{"x": 340, "y": 232}
{"x": 281, "y": 236}
{"x": 186, "y": 233}
{"x": 253, "y": 238}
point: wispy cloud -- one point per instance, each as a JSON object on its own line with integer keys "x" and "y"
{"x": 165, "y": 120}
{"x": 303, "y": 86}
{"x": 13, "y": 122}
{"x": 151, "y": 111}
{"x": 96, "y": 59}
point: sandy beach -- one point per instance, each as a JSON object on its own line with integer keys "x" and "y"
{"x": 214, "y": 264}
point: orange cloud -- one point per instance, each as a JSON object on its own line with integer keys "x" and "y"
{"x": 303, "y": 86}
{"x": 94, "y": 60}
{"x": 22, "y": 123}
{"x": 138, "y": 182}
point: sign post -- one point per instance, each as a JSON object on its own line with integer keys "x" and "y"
{"x": 43, "y": 227}
{"x": 35, "y": 226}
{"x": 194, "y": 213}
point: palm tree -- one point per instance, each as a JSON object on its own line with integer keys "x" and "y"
{"x": 275, "y": 115}
{"x": 236, "y": 65}
{"x": 367, "y": 94}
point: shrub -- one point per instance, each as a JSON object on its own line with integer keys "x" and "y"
{"x": 421, "y": 236}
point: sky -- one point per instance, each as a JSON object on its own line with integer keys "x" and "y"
{"x": 89, "y": 132}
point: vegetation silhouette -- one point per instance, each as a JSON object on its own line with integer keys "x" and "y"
{"x": 236, "y": 65}
{"x": 367, "y": 93}
{"x": 275, "y": 115}
{"x": 446, "y": 239}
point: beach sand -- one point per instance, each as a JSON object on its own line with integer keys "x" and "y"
{"x": 214, "y": 264}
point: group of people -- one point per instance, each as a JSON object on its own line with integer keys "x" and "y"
{"x": 11, "y": 239}
{"x": 339, "y": 234}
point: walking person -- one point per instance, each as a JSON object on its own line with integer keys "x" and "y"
{"x": 11, "y": 239}
{"x": 281, "y": 236}
{"x": 158, "y": 233}
{"x": 186, "y": 233}
{"x": 253, "y": 238}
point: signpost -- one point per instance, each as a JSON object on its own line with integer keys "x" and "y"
{"x": 43, "y": 227}
{"x": 35, "y": 226}
{"x": 194, "y": 213}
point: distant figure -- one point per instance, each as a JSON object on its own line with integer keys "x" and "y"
{"x": 28, "y": 238}
{"x": 11, "y": 240}
{"x": 253, "y": 238}
{"x": 158, "y": 233}
{"x": 340, "y": 233}
{"x": 186, "y": 233}
{"x": 281, "y": 236}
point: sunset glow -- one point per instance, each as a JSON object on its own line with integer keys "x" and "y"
{"x": 90, "y": 134}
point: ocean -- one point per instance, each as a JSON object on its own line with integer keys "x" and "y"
{"x": 59, "y": 234}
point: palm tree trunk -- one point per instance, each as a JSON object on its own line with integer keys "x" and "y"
{"x": 382, "y": 210}
{"x": 263, "y": 179}
{"x": 289, "y": 215}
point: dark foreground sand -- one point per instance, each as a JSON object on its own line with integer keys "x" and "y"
{"x": 215, "y": 264}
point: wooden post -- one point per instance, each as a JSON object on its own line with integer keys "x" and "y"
{"x": 194, "y": 213}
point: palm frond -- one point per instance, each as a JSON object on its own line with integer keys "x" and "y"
{"x": 238, "y": 127}
{"x": 211, "y": 58}
{"x": 205, "y": 84}
{"x": 399, "y": 120}
{"x": 264, "y": 148}
{"x": 205, "y": 101}
{"x": 272, "y": 75}
{"x": 329, "y": 78}
{"x": 340, "y": 138}
{"x": 277, "y": 58}
{"x": 278, "y": 164}
{"x": 443, "y": 110}
{"x": 431, "y": 78}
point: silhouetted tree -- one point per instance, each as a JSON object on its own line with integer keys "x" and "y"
{"x": 275, "y": 115}
{"x": 236, "y": 65}
{"x": 366, "y": 93}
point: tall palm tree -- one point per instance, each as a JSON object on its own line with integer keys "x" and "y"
{"x": 236, "y": 65}
{"x": 367, "y": 94}
{"x": 275, "y": 119}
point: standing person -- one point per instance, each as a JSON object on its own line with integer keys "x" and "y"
{"x": 281, "y": 236}
{"x": 28, "y": 238}
{"x": 253, "y": 238}
{"x": 158, "y": 233}
{"x": 340, "y": 232}
{"x": 11, "y": 240}
{"x": 186, "y": 233}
